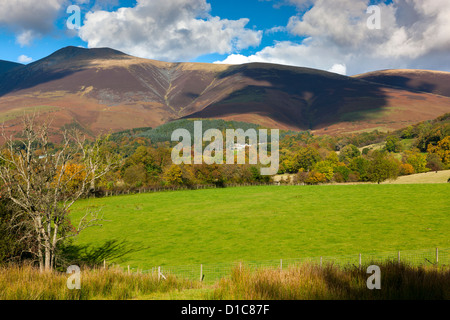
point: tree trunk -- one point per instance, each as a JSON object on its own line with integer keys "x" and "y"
{"x": 47, "y": 259}
{"x": 41, "y": 259}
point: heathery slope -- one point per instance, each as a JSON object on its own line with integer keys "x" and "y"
{"x": 106, "y": 90}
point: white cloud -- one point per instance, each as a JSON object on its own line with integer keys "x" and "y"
{"x": 29, "y": 19}
{"x": 339, "y": 68}
{"x": 171, "y": 30}
{"x": 413, "y": 34}
{"x": 289, "y": 53}
{"x": 276, "y": 29}
{"x": 25, "y": 37}
{"x": 24, "y": 59}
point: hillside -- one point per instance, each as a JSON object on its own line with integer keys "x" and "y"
{"x": 418, "y": 178}
{"x": 427, "y": 177}
{"x": 103, "y": 89}
{"x": 5, "y": 66}
{"x": 435, "y": 82}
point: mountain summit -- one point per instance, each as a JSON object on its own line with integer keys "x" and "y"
{"x": 104, "y": 89}
{"x": 69, "y": 56}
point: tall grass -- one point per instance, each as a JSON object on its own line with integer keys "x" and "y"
{"x": 312, "y": 282}
{"x": 27, "y": 283}
{"x": 300, "y": 282}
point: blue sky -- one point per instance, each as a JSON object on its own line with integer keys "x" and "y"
{"x": 262, "y": 16}
{"x": 328, "y": 35}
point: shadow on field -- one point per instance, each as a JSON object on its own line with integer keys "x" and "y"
{"x": 345, "y": 285}
{"x": 94, "y": 256}
{"x": 399, "y": 281}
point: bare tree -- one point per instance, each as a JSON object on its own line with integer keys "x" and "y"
{"x": 44, "y": 183}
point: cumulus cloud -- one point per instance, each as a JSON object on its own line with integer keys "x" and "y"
{"x": 413, "y": 34}
{"x": 171, "y": 30}
{"x": 24, "y": 59}
{"x": 29, "y": 19}
{"x": 289, "y": 53}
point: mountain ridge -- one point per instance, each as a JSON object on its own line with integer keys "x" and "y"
{"x": 6, "y": 66}
{"x": 104, "y": 89}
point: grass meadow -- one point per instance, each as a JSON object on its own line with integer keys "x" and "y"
{"x": 255, "y": 224}
{"x": 269, "y": 222}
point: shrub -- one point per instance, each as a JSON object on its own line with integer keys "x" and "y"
{"x": 406, "y": 169}
{"x": 315, "y": 177}
{"x": 300, "y": 177}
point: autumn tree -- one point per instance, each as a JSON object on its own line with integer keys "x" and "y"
{"x": 174, "y": 175}
{"x": 406, "y": 169}
{"x": 442, "y": 150}
{"x": 326, "y": 168}
{"x": 43, "y": 183}
{"x": 417, "y": 160}
{"x": 315, "y": 177}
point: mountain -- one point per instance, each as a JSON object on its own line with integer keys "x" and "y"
{"x": 102, "y": 89}
{"x": 5, "y": 66}
{"x": 435, "y": 82}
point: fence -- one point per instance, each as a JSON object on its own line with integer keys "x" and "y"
{"x": 213, "y": 272}
{"x": 111, "y": 193}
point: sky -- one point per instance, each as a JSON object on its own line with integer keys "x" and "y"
{"x": 342, "y": 36}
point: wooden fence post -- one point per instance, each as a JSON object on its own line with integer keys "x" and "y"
{"x": 437, "y": 255}
{"x": 201, "y": 272}
{"x": 360, "y": 264}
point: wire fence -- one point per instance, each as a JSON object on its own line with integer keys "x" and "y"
{"x": 214, "y": 272}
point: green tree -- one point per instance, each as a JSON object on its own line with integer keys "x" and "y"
{"x": 135, "y": 176}
{"x": 333, "y": 157}
{"x": 326, "y": 168}
{"x": 393, "y": 144}
{"x": 434, "y": 162}
{"x": 348, "y": 152}
{"x": 417, "y": 160}
{"x": 341, "y": 173}
{"x": 382, "y": 167}
{"x": 12, "y": 246}
{"x": 408, "y": 133}
{"x": 306, "y": 158}
{"x": 361, "y": 166}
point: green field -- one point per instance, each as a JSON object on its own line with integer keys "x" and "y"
{"x": 270, "y": 222}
